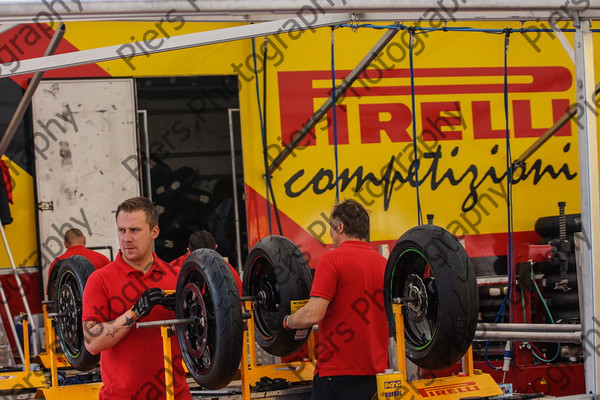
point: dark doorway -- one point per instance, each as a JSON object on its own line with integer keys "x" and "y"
{"x": 185, "y": 125}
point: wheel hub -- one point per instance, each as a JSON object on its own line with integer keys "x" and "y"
{"x": 68, "y": 309}
{"x": 414, "y": 288}
{"x": 266, "y": 295}
{"x": 196, "y": 332}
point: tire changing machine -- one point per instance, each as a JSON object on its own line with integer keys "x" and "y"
{"x": 394, "y": 385}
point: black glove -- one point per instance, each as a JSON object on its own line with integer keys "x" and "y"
{"x": 147, "y": 301}
{"x": 274, "y": 320}
{"x": 169, "y": 302}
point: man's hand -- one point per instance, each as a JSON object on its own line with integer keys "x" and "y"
{"x": 169, "y": 302}
{"x": 274, "y": 321}
{"x": 147, "y": 301}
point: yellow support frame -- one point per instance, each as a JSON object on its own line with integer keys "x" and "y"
{"x": 26, "y": 379}
{"x": 44, "y": 357}
{"x": 87, "y": 391}
{"x": 297, "y": 371}
{"x": 395, "y": 386}
{"x": 166, "y": 332}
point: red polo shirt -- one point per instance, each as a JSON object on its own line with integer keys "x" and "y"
{"x": 353, "y": 335}
{"x": 134, "y": 367}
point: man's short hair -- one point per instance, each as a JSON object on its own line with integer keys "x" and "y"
{"x": 201, "y": 240}
{"x": 354, "y": 216}
{"x": 140, "y": 203}
{"x": 73, "y": 235}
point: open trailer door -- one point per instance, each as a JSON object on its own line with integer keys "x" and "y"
{"x": 85, "y": 160}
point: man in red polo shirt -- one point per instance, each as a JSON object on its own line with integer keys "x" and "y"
{"x": 125, "y": 291}
{"x": 204, "y": 240}
{"x": 75, "y": 244}
{"x": 346, "y": 301}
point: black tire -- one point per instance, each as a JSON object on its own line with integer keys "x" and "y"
{"x": 212, "y": 345}
{"x": 429, "y": 263}
{"x": 72, "y": 277}
{"x": 276, "y": 273}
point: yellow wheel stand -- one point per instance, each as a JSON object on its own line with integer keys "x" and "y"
{"x": 86, "y": 391}
{"x": 297, "y": 371}
{"x": 26, "y": 379}
{"x": 44, "y": 357}
{"x": 469, "y": 384}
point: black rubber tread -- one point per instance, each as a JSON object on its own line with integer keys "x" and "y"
{"x": 550, "y": 226}
{"x": 75, "y": 272}
{"x": 211, "y": 273}
{"x": 454, "y": 281}
{"x": 292, "y": 280}
{"x": 52, "y": 279}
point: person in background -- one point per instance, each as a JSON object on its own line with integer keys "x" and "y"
{"x": 75, "y": 244}
{"x": 129, "y": 289}
{"x": 352, "y": 343}
{"x": 204, "y": 240}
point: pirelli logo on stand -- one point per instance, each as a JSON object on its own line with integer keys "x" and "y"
{"x": 394, "y": 386}
{"x": 443, "y": 390}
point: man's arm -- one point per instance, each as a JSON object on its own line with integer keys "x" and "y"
{"x": 100, "y": 336}
{"x": 312, "y": 313}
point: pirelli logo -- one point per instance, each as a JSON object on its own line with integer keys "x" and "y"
{"x": 455, "y": 388}
{"x": 378, "y": 106}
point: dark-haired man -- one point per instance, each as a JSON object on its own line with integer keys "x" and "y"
{"x": 204, "y": 240}
{"x": 346, "y": 301}
{"x": 123, "y": 292}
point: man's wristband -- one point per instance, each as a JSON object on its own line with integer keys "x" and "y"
{"x": 133, "y": 314}
{"x": 284, "y": 322}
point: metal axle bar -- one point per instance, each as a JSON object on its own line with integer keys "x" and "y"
{"x": 521, "y": 336}
{"x": 487, "y": 327}
{"x": 163, "y": 322}
{"x": 57, "y": 315}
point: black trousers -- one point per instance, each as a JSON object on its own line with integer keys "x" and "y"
{"x": 344, "y": 387}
